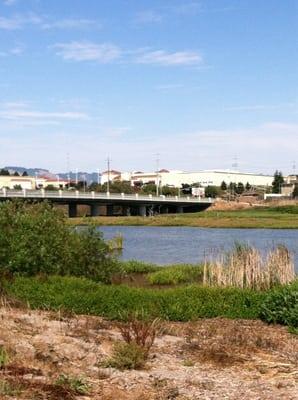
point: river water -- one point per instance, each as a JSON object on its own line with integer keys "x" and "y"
{"x": 168, "y": 245}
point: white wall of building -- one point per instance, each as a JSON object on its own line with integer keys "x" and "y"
{"x": 205, "y": 178}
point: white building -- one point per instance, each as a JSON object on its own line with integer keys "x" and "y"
{"x": 204, "y": 178}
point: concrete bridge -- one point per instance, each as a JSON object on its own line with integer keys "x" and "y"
{"x": 111, "y": 203}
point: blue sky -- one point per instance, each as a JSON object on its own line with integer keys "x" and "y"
{"x": 199, "y": 82}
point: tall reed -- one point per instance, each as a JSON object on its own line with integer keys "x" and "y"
{"x": 245, "y": 267}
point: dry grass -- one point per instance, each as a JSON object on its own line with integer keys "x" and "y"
{"x": 245, "y": 267}
{"x": 225, "y": 343}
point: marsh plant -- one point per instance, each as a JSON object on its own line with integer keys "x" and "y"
{"x": 246, "y": 267}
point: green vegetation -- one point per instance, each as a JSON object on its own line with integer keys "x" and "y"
{"x": 138, "y": 267}
{"x": 36, "y": 239}
{"x": 73, "y": 384}
{"x": 126, "y": 356}
{"x": 281, "y": 306}
{"x": 176, "y": 274}
{"x": 261, "y": 217}
{"x": 84, "y": 296}
{"x": 4, "y": 358}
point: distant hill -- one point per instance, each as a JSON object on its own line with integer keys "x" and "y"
{"x": 89, "y": 177}
{"x": 30, "y": 171}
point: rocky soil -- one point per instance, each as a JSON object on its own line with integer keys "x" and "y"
{"x": 208, "y": 359}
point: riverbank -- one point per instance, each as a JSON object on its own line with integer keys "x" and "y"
{"x": 55, "y": 355}
{"x": 283, "y": 217}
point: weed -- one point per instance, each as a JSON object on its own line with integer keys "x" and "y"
{"x": 140, "y": 332}
{"x": 74, "y": 384}
{"x": 188, "y": 363}
{"x": 9, "y": 389}
{"x": 4, "y": 358}
{"x": 127, "y": 356}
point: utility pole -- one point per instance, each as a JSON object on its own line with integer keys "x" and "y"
{"x": 108, "y": 183}
{"x": 68, "y": 169}
{"x": 157, "y": 174}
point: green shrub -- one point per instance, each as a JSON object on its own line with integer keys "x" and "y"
{"x": 83, "y": 296}
{"x": 176, "y": 274}
{"x": 35, "y": 239}
{"x": 127, "y": 356}
{"x": 281, "y": 306}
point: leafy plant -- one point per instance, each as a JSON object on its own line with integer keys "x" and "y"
{"x": 281, "y": 306}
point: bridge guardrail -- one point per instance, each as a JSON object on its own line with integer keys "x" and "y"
{"x": 39, "y": 194}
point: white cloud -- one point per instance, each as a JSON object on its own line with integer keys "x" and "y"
{"x": 15, "y": 51}
{"x": 70, "y": 23}
{"x": 9, "y": 2}
{"x": 148, "y": 17}
{"x": 261, "y": 148}
{"x": 261, "y": 107}
{"x": 163, "y": 58}
{"x": 20, "y": 112}
{"x": 87, "y": 51}
{"x": 43, "y": 22}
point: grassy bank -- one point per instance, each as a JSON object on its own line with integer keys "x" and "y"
{"x": 116, "y": 302}
{"x": 269, "y": 217}
{"x": 83, "y": 296}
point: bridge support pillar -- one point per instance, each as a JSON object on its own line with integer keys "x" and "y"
{"x": 179, "y": 209}
{"x": 110, "y": 210}
{"x": 95, "y": 210}
{"x": 72, "y": 210}
{"x": 164, "y": 210}
{"x": 143, "y": 211}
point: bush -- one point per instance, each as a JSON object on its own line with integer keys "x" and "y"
{"x": 281, "y": 306}
{"x": 176, "y": 274}
{"x": 127, "y": 356}
{"x": 35, "y": 239}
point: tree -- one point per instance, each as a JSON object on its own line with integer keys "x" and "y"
{"x": 36, "y": 239}
{"x": 25, "y": 173}
{"x": 212, "y": 191}
{"x": 50, "y": 187}
{"x": 149, "y": 188}
{"x": 169, "y": 191}
{"x": 240, "y": 188}
{"x": 247, "y": 186}
{"x": 295, "y": 192}
{"x": 17, "y": 187}
{"x": 277, "y": 182}
{"x": 16, "y": 173}
{"x": 186, "y": 188}
{"x": 4, "y": 172}
{"x": 223, "y": 185}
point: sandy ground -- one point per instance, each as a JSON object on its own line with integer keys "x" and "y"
{"x": 208, "y": 359}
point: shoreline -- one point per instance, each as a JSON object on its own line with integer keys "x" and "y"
{"x": 238, "y": 219}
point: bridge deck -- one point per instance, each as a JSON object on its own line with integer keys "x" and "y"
{"x": 94, "y": 200}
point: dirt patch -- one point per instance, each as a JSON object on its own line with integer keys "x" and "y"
{"x": 215, "y": 358}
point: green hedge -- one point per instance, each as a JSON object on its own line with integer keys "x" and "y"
{"x": 83, "y": 296}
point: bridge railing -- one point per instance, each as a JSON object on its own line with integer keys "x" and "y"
{"x": 74, "y": 194}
